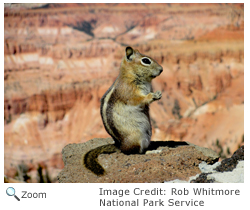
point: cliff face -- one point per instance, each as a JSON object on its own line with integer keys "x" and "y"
{"x": 59, "y": 59}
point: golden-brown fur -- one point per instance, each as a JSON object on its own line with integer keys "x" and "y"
{"x": 125, "y": 107}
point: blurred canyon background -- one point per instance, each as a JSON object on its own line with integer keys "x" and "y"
{"x": 59, "y": 59}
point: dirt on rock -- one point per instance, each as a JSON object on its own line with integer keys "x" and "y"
{"x": 163, "y": 161}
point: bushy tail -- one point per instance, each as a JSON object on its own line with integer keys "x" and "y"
{"x": 90, "y": 159}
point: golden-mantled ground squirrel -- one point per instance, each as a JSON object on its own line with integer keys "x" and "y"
{"x": 125, "y": 108}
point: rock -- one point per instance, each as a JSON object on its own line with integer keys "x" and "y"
{"x": 229, "y": 170}
{"x": 229, "y": 164}
{"x": 210, "y": 154}
{"x": 205, "y": 168}
{"x": 234, "y": 176}
{"x": 168, "y": 161}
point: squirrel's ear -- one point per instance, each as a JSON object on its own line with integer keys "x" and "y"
{"x": 129, "y": 52}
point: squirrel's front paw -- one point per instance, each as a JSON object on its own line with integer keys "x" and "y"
{"x": 157, "y": 95}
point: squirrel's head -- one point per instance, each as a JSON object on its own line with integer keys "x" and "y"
{"x": 141, "y": 66}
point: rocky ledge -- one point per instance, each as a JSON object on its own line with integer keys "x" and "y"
{"x": 230, "y": 170}
{"x": 164, "y": 161}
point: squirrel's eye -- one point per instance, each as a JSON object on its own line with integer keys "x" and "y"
{"x": 146, "y": 61}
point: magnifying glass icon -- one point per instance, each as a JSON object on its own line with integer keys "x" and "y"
{"x": 11, "y": 191}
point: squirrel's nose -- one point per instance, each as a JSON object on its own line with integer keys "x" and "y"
{"x": 161, "y": 70}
